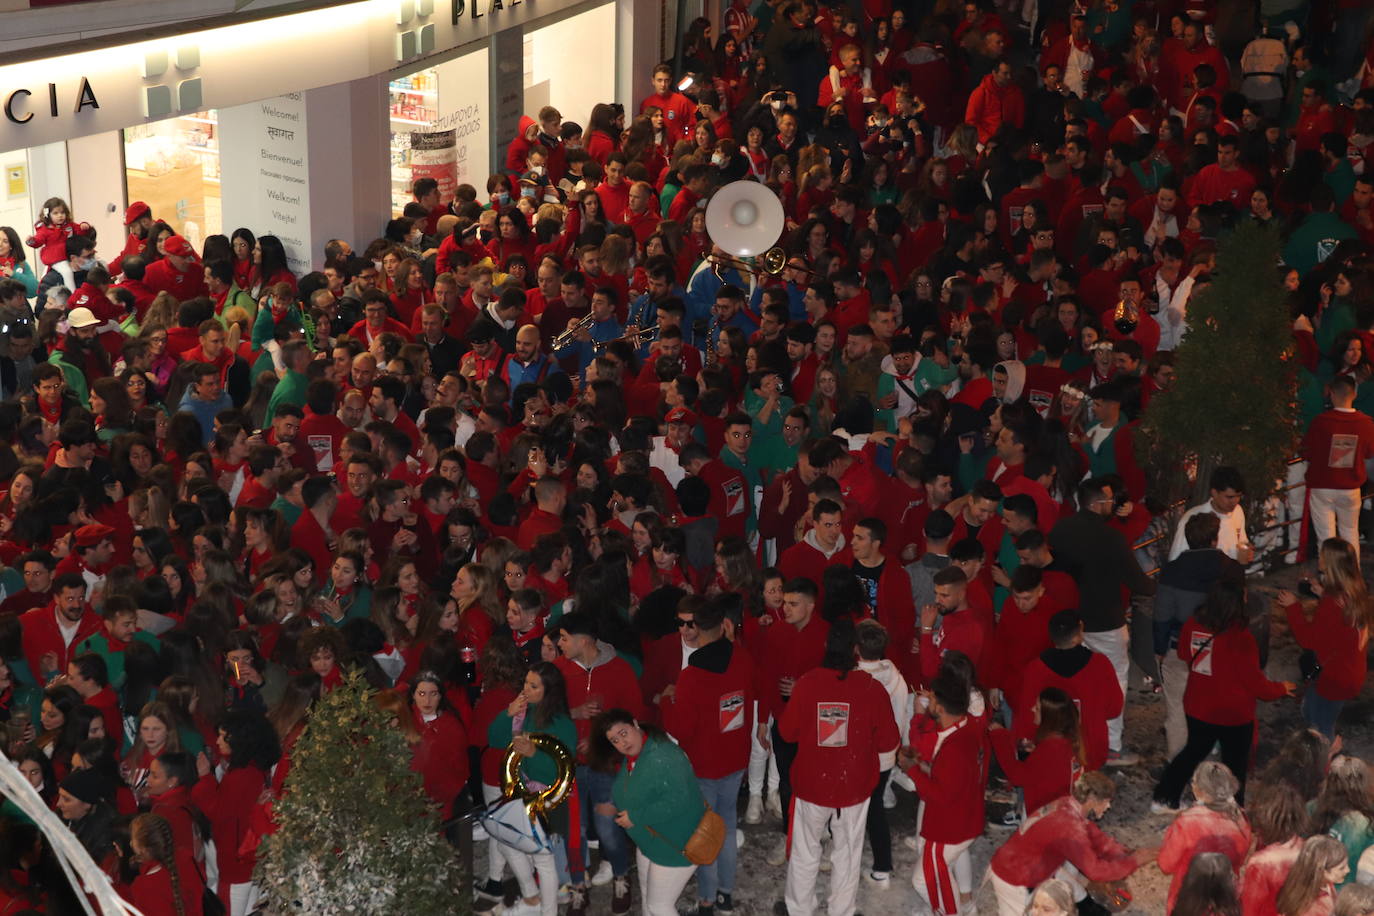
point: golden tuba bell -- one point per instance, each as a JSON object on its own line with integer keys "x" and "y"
{"x": 539, "y": 803}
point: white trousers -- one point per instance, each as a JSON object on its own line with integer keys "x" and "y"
{"x": 1116, "y": 645}
{"x": 523, "y": 866}
{"x": 244, "y": 898}
{"x": 943, "y": 872}
{"x": 661, "y": 885}
{"x": 1335, "y": 513}
{"x": 1013, "y": 899}
{"x": 808, "y": 825}
{"x": 1174, "y": 673}
{"x": 763, "y": 766}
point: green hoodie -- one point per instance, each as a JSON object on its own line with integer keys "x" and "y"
{"x": 663, "y": 801}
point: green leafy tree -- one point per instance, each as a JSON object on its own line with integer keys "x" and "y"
{"x": 356, "y": 832}
{"x": 1234, "y": 401}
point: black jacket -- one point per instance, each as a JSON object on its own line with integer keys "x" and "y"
{"x": 1101, "y": 562}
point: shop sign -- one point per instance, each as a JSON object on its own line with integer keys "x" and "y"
{"x": 476, "y": 9}
{"x": 21, "y": 106}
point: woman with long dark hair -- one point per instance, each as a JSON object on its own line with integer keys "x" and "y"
{"x": 270, "y": 266}
{"x": 163, "y": 887}
{"x": 441, "y": 755}
{"x": 1224, "y": 681}
{"x": 250, "y": 747}
{"x": 542, "y": 708}
{"x": 1048, "y": 772}
{"x": 113, "y": 411}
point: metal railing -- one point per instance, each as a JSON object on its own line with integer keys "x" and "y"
{"x": 1287, "y": 543}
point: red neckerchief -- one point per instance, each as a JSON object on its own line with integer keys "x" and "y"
{"x": 533, "y": 633}
{"x": 410, "y": 605}
{"x": 51, "y": 414}
{"x": 331, "y": 680}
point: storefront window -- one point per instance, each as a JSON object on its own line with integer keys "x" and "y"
{"x": 173, "y": 166}
{"x": 414, "y": 106}
{"x": 439, "y": 127}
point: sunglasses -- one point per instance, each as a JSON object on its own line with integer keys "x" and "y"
{"x": 684, "y": 624}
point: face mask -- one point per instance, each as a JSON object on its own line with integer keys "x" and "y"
{"x": 537, "y": 169}
{"x": 718, "y": 160}
{"x": 777, "y": 104}
{"x": 527, "y": 192}
{"x": 502, "y": 197}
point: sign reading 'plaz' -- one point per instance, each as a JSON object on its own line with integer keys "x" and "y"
{"x": 475, "y": 8}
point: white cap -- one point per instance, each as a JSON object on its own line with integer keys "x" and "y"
{"x": 81, "y": 318}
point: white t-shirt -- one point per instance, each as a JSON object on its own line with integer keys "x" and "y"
{"x": 1229, "y": 538}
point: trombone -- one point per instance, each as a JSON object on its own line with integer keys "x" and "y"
{"x": 772, "y": 262}
{"x": 568, "y": 336}
{"x": 635, "y": 339}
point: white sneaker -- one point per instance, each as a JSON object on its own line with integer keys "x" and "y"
{"x": 779, "y": 854}
{"x": 603, "y": 874}
{"x": 1161, "y": 808}
{"x": 521, "y": 908}
{"x": 775, "y": 805}
{"x": 881, "y": 880}
{"x": 739, "y": 838}
{"x": 889, "y": 798}
{"x": 754, "y": 813}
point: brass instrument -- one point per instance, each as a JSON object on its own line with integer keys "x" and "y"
{"x": 711, "y": 337}
{"x": 568, "y": 336}
{"x": 1126, "y": 317}
{"x": 634, "y": 339}
{"x": 539, "y": 803}
{"x": 770, "y": 263}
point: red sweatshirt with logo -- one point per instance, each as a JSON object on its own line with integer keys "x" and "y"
{"x": 841, "y": 722}
{"x": 1335, "y": 447}
{"x": 711, "y": 712}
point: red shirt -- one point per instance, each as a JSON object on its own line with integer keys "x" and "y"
{"x": 952, "y": 792}
{"x": 840, "y": 724}
{"x": 41, "y": 635}
{"x": 1047, "y": 774}
{"x": 230, "y": 804}
{"x": 1336, "y": 446}
{"x": 788, "y": 652}
{"x": 441, "y": 757}
{"x": 1093, "y": 687}
{"x": 162, "y": 277}
{"x": 679, "y": 115}
{"x": 1224, "y": 675}
{"x": 610, "y": 677}
{"x": 711, "y": 713}
{"x": 1340, "y": 647}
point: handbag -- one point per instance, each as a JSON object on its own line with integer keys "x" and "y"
{"x": 705, "y": 843}
{"x": 1308, "y": 666}
{"x": 508, "y": 821}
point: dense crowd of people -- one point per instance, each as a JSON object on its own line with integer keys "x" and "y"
{"x": 539, "y": 460}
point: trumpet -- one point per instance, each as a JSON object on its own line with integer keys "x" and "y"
{"x": 1126, "y": 317}
{"x": 770, "y": 263}
{"x": 568, "y": 336}
{"x": 634, "y": 339}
